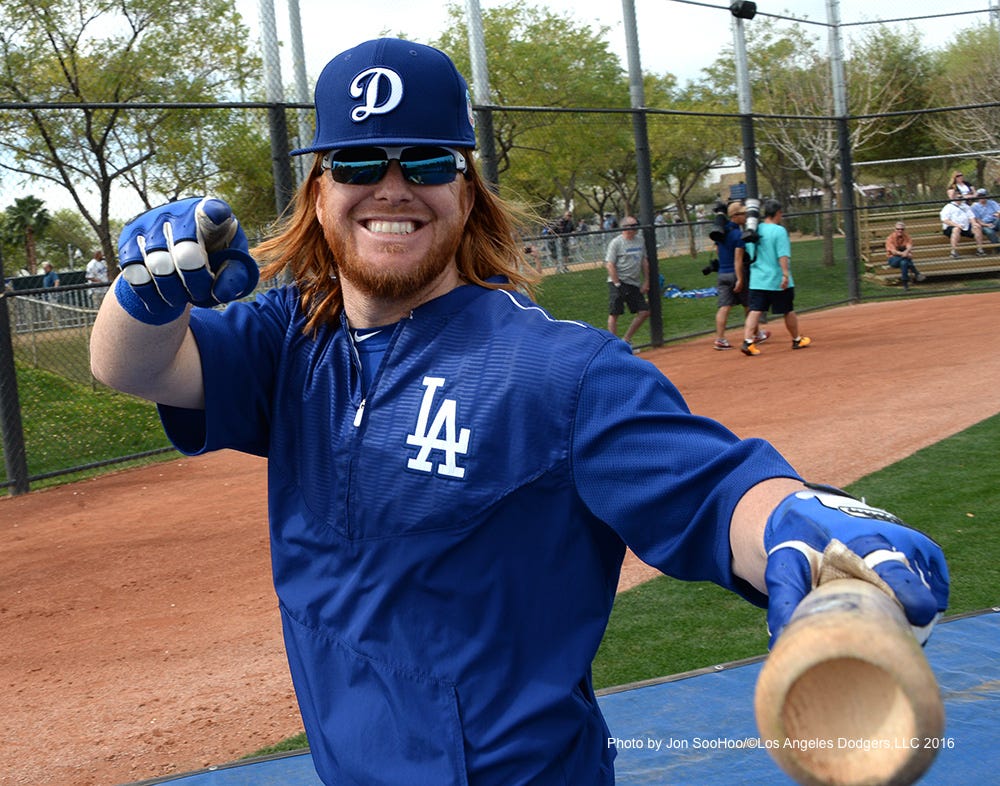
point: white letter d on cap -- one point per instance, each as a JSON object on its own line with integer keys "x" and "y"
{"x": 371, "y": 106}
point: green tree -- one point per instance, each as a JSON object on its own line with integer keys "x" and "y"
{"x": 792, "y": 84}
{"x": 27, "y": 219}
{"x": 552, "y": 61}
{"x": 685, "y": 147}
{"x": 902, "y": 137}
{"x": 968, "y": 71}
{"x": 98, "y": 55}
{"x": 68, "y": 241}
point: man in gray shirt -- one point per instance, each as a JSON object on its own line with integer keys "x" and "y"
{"x": 628, "y": 278}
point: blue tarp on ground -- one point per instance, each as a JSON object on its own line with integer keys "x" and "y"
{"x": 700, "y": 721}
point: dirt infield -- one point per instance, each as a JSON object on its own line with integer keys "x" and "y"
{"x": 141, "y": 635}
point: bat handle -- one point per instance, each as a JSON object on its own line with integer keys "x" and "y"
{"x": 216, "y": 223}
{"x": 847, "y": 697}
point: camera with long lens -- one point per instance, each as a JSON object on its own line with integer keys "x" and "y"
{"x": 753, "y": 219}
{"x": 711, "y": 267}
{"x": 718, "y": 233}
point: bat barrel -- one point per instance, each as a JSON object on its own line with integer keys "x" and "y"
{"x": 846, "y": 697}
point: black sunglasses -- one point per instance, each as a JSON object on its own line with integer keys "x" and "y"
{"x": 421, "y": 165}
{"x": 630, "y": 226}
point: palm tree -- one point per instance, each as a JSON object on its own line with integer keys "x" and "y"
{"x": 29, "y": 219}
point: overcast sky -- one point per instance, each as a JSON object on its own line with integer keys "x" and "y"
{"x": 674, "y": 36}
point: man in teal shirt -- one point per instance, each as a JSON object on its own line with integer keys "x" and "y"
{"x": 771, "y": 283}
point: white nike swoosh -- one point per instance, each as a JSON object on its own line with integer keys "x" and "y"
{"x": 359, "y": 338}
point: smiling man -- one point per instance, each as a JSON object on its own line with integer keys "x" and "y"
{"x": 453, "y": 474}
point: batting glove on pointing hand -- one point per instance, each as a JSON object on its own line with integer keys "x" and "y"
{"x": 190, "y": 251}
{"x": 802, "y": 526}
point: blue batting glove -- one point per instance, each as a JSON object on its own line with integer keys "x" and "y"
{"x": 190, "y": 251}
{"x": 799, "y": 529}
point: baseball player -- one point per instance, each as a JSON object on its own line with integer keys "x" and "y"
{"x": 454, "y": 475}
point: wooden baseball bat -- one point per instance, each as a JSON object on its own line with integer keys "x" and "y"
{"x": 846, "y": 696}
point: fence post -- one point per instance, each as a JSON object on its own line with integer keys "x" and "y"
{"x": 844, "y": 145}
{"x": 644, "y": 176}
{"x": 11, "y": 428}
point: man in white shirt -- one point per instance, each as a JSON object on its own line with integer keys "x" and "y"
{"x": 97, "y": 273}
{"x": 958, "y": 221}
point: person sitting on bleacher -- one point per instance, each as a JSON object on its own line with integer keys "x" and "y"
{"x": 987, "y": 212}
{"x": 899, "y": 249}
{"x": 958, "y": 221}
{"x": 957, "y": 187}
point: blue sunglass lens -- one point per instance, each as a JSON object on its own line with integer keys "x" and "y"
{"x": 421, "y": 166}
{"x": 428, "y": 166}
{"x": 359, "y": 173}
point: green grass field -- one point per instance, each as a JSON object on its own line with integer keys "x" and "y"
{"x": 582, "y": 294}
{"x": 947, "y": 490}
{"x": 69, "y": 424}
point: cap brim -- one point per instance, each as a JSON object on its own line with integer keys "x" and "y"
{"x": 387, "y": 142}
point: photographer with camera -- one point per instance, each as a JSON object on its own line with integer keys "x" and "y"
{"x": 771, "y": 282}
{"x": 731, "y": 266}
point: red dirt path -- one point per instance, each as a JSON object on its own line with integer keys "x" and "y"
{"x": 141, "y": 635}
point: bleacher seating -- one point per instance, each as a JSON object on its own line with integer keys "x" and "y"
{"x": 931, "y": 249}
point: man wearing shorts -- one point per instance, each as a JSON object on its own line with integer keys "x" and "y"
{"x": 732, "y": 279}
{"x": 771, "y": 283}
{"x": 958, "y": 221}
{"x": 628, "y": 278}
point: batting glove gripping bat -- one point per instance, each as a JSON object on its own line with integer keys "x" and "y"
{"x": 190, "y": 251}
{"x": 902, "y": 561}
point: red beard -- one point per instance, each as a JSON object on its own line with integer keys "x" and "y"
{"x": 388, "y": 283}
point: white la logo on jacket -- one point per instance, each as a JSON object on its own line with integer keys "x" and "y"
{"x": 442, "y": 434}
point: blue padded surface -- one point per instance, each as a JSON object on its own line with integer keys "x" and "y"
{"x": 700, "y": 723}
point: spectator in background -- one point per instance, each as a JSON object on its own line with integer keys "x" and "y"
{"x": 958, "y": 188}
{"x": 628, "y": 278}
{"x": 551, "y": 248}
{"x": 899, "y": 250}
{"x": 958, "y": 221}
{"x": 51, "y": 279}
{"x": 97, "y": 273}
{"x": 532, "y": 256}
{"x": 97, "y": 269}
{"x": 986, "y": 211}
{"x": 564, "y": 228}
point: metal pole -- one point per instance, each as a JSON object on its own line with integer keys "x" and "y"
{"x": 844, "y": 145}
{"x": 11, "y": 426}
{"x": 644, "y": 172}
{"x": 281, "y": 167}
{"x": 303, "y": 126}
{"x": 744, "y": 101}
{"x": 481, "y": 93}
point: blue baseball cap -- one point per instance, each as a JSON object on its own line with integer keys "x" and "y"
{"x": 391, "y": 92}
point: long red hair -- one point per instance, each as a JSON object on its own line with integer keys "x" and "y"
{"x": 297, "y": 251}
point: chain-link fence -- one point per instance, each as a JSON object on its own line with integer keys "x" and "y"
{"x": 574, "y": 170}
